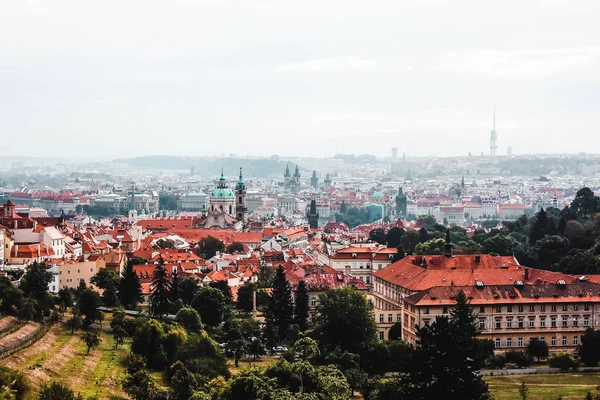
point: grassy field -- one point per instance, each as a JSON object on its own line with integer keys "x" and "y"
{"x": 544, "y": 387}
{"x": 61, "y": 356}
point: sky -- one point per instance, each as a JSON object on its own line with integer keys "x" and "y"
{"x": 298, "y": 78}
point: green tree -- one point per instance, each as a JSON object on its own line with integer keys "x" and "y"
{"x": 202, "y": 356}
{"x": 256, "y": 348}
{"x": 409, "y": 240}
{"x": 188, "y": 290}
{"x": 394, "y": 236}
{"x": 130, "y": 288}
{"x": 539, "y": 228}
{"x": 395, "y": 332}
{"x": 378, "y": 235}
{"x": 65, "y": 299}
{"x": 34, "y": 284}
{"x": 75, "y": 321}
{"x": 148, "y": 342}
{"x": 500, "y": 244}
{"x": 88, "y": 305}
{"x": 301, "y": 306}
{"x": 140, "y": 386}
{"x": 332, "y": 382}
{"x": 118, "y": 326}
{"x": 585, "y": 204}
{"x": 210, "y": 304}
{"x": 183, "y": 382}
{"x": 27, "y": 309}
{"x": 537, "y": 348}
{"x": 57, "y": 391}
{"x": 280, "y": 309}
{"x": 589, "y": 350}
{"x": 160, "y": 299}
{"x": 399, "y": 254}
{"x": 189, "y": 319}
{"x": 433, "y": 246}
{"x": 245, "y": 296}
{"x": 235, "y": 247}
{"x": 91, "y": 339}
{"x": 307, "y": 347}
{"x": 208, "y": 247}
{"x": 107, "y": 280}
{"x": 239, "y": 348}
{"x": 523, "y": 391}
{"x": 344, "y": 319}
{"x": 443, "y": 363}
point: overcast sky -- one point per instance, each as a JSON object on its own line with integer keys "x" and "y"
{"x": 310, "y": 78}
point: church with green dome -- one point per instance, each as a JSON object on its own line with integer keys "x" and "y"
{"x": 225, "y": 200}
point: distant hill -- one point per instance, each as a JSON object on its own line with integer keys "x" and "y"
{"x": 262, "y": 168}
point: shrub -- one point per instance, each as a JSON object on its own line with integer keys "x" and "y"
{"x": 496, "y": 361}
{"x": 519, "y": 358}
{"x": 564, "y": 361}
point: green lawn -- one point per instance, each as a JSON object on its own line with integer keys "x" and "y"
{"x": 544, "y": 387}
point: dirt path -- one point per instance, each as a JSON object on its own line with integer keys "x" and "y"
{"x": 5, "y": 323}
{"x": 20, "y": 358}
{"x": 20, "y": 334}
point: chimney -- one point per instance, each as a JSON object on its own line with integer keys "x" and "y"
{"x": 254, "y": 301}
{"x": 347, "y": 269}
{"x": 526, "y": 274}
{"x": 477, "y": 259}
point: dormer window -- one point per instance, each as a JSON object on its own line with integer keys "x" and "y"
{"x": 353, "y": 255}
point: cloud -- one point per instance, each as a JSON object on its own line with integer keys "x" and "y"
{"x": 330, "y": 64}
{"x": 521, "y": 63}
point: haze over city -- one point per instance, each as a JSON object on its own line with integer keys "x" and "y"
{"x": 300, "y": 78}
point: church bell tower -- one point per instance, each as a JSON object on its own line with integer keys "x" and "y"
{"x": 241, "y": 210}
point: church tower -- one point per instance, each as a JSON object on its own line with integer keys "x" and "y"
{"x": 313, "y": 215}
{"x": 314, "y": 180}
{"x": 401, "y": 203}
{"x": 132, "y": 216}
{"x": 327, "y": 182}
{"x": 241, "y": 210}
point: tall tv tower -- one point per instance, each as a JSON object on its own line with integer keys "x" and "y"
{"x": 493, "y": 137}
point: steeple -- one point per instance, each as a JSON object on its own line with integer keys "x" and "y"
{"x": 448, "y": 245}
{"x": 297, "y": 172}
{"x": 287, "y": 171}
{"x": 240, "y": 184}
{"x": 493, "y": 136}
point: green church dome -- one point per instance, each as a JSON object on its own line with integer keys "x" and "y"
{"x": 222, "y": 191}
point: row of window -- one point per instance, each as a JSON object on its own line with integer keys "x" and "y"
{"x": 78, "y": 271}
{"x": 521, "y": 308}
{"x": 521, "y": 323}
{"x": 521, "y": 342}
{"x": 542, "y": 307}
{"x": 390, "y": 318}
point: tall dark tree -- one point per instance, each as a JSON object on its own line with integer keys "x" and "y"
{"x": 188, "y": 289}
{"x": 65, "y": 299}
{"x": 130, "y": 288}
{"x": 245, "y": 296}
{"x": 210, "y": 304}
{"x": 88, "y": 305}
{"x": 301, "y": 306}
{"x": 589, "y": 350}
{"x": 399, "y": 254}
{"x": 34, "y": 284}
{"x": 393, "y": 236}
{"x": 378, "y": 235}
{"x": 280, "y": 309}
{"x": 539, "y": 228}
{"x": 442, "y": 365}
{"x": 585, "y": 204}
{"x": 223, "y": 286}
{"x": 107, "y": 280}
{"x": 537, "y": 348}
{"x": 160, "y": 299}
{"x": 423, "y": 235}
{"x": 208, "y": 247}
{"x": 175, "y": 289}
{"x": 344, "y": 319}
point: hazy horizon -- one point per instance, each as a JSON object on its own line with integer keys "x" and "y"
{"x": 311, "y": 79}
